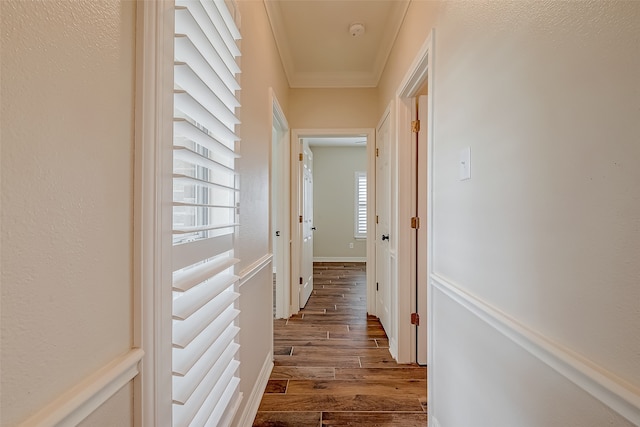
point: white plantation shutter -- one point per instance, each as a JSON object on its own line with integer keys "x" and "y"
{"x": 361, "y": 205}
{"x": 205, "y": 192}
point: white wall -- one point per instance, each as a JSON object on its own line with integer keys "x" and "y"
{"x": 333, "y": 201}
{"x": 546, "y": 231}
{"x": 261, "y": 69}
{"x": 67, "y": 199}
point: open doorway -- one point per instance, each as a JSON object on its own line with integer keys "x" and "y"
{"x": 331, "y": 222}
{"x": 280, "y": 199}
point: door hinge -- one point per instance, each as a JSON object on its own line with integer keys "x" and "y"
{"x": 415, "y": 126}
{"x": 377, "y": 152}
{"x": 300, "y": 156}
{"x": 301, "y": 280}
{"x": 377, "y": 286}
{"x": 415, "y": 319}
{"x": 300, "y": 218}
{"x": 415, "y": 222}
{"x": 376, "y": 219}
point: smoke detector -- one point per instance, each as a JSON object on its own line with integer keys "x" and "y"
{"x": 356, "y": 29}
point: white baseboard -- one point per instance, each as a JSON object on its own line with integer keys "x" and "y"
{"x": 339, "y": 259}
{"x": 611, "y": 390}
{"x": 251, "y": 408}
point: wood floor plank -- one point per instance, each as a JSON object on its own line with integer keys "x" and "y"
{"x": 322, "y": 402}
{"x": 381, "y": 387}
{"x": 407, "y": 372}
{"x": 319, "y": 361}
{"x": 305, "y": 335}
{"x": 331, "y": 343}
{"x": 329, "y": 352}
{"x": 375, "y": 419}
{"x": 302, "y": 372}
{"x": 287, "y": 419}
{"x": 282, "y": 350}
{"x": 276, "y": 386}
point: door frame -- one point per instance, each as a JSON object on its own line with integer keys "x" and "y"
{"x": 420, "y": 72}
{"x": 296, "y": 135}
{"x": 281, "y": 246}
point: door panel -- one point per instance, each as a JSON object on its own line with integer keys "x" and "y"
{"x": 306, "y": 260}
{"x": 383, "y": 212}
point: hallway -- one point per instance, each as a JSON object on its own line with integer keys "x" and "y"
{"x": 332, "y": 363}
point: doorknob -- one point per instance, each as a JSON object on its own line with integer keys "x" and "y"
{"x": 277, "y": 234}
{"x": 313, "y": 228}
{"x": 385, "y": 237}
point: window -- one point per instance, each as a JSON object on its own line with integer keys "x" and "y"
{"x": 361, "y": 205}
{"x": 205, "y": 192}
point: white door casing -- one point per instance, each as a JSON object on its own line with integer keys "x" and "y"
{"x": 421, "y": 246}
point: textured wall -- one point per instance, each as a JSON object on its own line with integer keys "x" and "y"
{"x": 549, "y": 219}
{"x": 332, "y": 108}
{"x": 261, "y": 69}
{"x": 333, "y": 201}
{"x": 67, "y": 184}
{"x": 546, "y": 230}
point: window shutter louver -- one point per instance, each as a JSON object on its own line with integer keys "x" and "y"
{"x": 361, "y": 205}
{"x": 205, "y": 193}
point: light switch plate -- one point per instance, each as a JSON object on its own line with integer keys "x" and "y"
{"x": 465, "y": 164}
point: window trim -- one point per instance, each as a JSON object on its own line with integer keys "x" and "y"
{"x": 152, "y": 214}
{"x": 360, "y": 176}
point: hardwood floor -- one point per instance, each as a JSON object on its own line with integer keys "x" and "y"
{"x": 332, "y": 363}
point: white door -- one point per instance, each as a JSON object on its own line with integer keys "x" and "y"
{"x": 421, "y": 250}
{"x": 383, "y": 214}
{"x": 306, "y": 213}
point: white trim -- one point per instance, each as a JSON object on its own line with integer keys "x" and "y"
{"x": 611, "y": 390}
{"x": 250, "y": 271}
{"x": 152, "y": 215}
{"x": 371, "y": 223}
{"x": 340, "y": 259}
{"x": 79, "y": 402}
{"x": 417, "y": 74}
{"x": 251, "y": 408}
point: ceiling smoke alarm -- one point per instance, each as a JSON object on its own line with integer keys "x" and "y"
{"x": 356, "y": 29}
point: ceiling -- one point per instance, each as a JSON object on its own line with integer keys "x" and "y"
{"x": 317, "y": 48}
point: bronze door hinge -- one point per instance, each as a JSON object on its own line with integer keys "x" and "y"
{"x": 415, "y": 222}
{"x": 415, "y": 319}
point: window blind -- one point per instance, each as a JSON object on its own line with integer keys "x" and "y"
{"x": 361, "y": 205}
{"x": 205, "y": 192}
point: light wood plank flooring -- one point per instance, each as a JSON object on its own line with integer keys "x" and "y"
{"x": 332, "y": 363}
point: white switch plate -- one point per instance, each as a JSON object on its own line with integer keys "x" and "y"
{"x": 465, "y": 164}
